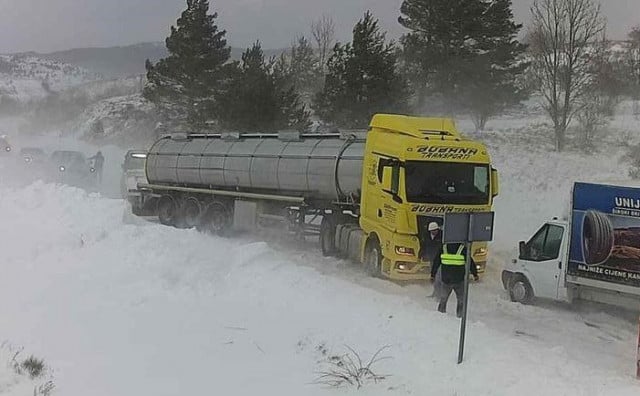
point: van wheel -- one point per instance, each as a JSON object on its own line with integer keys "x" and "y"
{"x": 167, "y": 210}
{"x": 328, "y": 236}
{"x": 520, "y": 290}
{"x": 597, "y": 238}
{"x": 373, "y": 258}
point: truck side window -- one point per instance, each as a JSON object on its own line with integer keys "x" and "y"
{"x": 545, "y": 245}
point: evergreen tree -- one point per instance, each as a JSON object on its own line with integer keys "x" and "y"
{"x": 362, "y": 78}
{"x": 187, "y": 84}
{"x": 305, "y": 70}
{"x": 300, "y": 69}
{"x": 259, "y": 98}
{"x": 465, "y": 51}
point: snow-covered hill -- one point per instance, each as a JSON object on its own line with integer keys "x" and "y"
{"x": 26, "y": 78}
{"x": 125, "y": 121}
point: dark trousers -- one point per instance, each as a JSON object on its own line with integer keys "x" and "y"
{"x": 445, "y": 292}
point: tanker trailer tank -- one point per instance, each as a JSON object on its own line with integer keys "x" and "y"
{"x": 322, "y": 169}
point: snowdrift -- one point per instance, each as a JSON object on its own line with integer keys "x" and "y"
{"x": 141, "y": 309}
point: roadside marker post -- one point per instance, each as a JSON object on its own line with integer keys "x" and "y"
{"x": 467, "y": 228}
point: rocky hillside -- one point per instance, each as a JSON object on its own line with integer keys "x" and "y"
{"x": 27, "y": 78}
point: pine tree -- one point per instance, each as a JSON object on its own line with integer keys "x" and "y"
{"x": 465, "y": 51}
{"x": 259, "y": 98}
{"x": 362, "y": 78}
{"x": 305, "y": 70}
{"x": 187, "y": 84}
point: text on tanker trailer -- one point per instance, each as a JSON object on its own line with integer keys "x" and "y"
{"x": 375, "y": 192}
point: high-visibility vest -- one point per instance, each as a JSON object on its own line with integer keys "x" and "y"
{"x": 457, "y": 258}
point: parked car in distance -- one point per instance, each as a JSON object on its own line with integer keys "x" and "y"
{"x": 5, "y": 147}
{"x": 33, "y": 156}
{"x": 71, "y": 167}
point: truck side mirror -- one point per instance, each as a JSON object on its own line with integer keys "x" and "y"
{"x": 495, "y": 183}
{"x": 523, "y": 249}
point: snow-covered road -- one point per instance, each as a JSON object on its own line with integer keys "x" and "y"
{"x": 142, "y": 309}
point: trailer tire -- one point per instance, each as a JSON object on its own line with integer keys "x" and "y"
{"x": 373, "y": 258}
{"x": 167, "y": 210}
{"x": 520, "y": 290}
{"x": 191, "y": 212}
{"x": 328, "y": 236}
{"x": 597, "y": 238}
{"x": 215, "y": 220}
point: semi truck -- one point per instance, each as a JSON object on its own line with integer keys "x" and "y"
{"x": 133, "y": 173}
{"x": 594, "y": 255}
{"x": 369, "y": 196}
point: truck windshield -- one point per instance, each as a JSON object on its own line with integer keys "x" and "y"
{"x": 447, "y": 183}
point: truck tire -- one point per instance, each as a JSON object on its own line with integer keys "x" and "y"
{"x": 191, "y": 212}
{"x": 137, "y": 210}
{"x": 328, "y": 236}
{"x": 167, "y": 210}
{"x": 216, "y": 219}
{"x": 520, "y": 290}
{"x": 597, "y": 238}
{"x": 373, "y": 258}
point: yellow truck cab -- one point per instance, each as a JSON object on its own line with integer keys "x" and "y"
{"x": 415, "y": 171}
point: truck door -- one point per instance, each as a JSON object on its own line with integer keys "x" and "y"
{"x": 542, "y": 261}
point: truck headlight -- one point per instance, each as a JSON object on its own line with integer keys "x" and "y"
{"x": 405, "y": 251}
{"x": 92, "y": 170}
{"x": 8, "y": 148}
{"x": 62, "y": 169}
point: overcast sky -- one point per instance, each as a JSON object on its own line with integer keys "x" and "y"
{"x": 49, "y": 25}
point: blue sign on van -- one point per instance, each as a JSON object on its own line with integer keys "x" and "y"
{"x": 605, "y": 233}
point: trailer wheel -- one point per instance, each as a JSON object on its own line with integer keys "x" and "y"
{"x": 191, "y": 212}
{"x": 167, "y": 210}
{"x": 520, "y": 290}
{"x": 216, "y": 219}
{"x": 373, "y": 258}
{"x": 328, "y": 236}
{"x": 597, "y": 238}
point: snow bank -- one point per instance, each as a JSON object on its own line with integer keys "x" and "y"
{"x": 122, "y": 309}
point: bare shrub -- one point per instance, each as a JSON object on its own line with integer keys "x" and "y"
{"x": 349, "y": 369}
{"x": 33, "y": 366}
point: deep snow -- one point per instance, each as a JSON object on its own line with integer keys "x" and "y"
{"x": 141, "y": 309}
{"x": 118, "y": 306}
{"x": 121, "y": 306}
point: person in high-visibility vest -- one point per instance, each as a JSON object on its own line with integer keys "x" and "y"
{"x": 451, "y": 264}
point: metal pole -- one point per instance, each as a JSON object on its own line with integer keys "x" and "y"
{"x": 465, "y": 298}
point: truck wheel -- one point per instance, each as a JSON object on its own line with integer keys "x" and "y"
{"x": 167, "y": 210}
{"x": 520, "y": 290}
{"x": 373, "y": 258}
{"x": 216, "y": 219}
{"x": 191, "y": 212}
{"x": 328, "y": 236}
{"x": 137, "y": 210}
{"x": 597, "y": 238}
